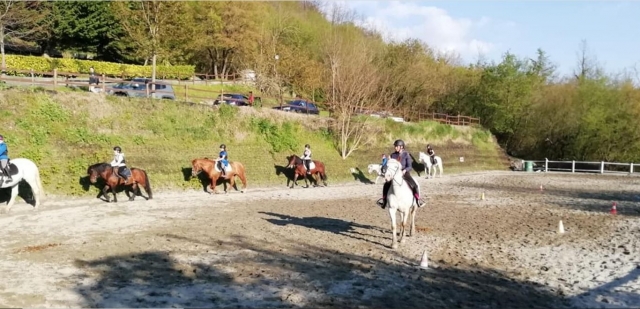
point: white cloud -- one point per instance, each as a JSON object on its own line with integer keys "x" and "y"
{"x": 398, "y": 21}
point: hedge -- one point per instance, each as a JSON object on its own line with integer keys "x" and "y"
{"x": 65, "y": 65}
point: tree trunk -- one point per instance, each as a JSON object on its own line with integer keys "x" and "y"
{"x": 4, "y": 61}
{"x": 153, "y": 71}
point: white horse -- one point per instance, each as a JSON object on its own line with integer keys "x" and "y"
{"x": 424, "y": 159}
{"x": 400, "y": 198}
{"x": 376, "y": 168}
{"x": 27, "y": 171}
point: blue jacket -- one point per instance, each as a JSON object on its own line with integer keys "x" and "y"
{"x": 4, "y": 152}
{"x": 384, "y": 161}
{"x": 405, "y": 160}
{"x": 223, "y": 156}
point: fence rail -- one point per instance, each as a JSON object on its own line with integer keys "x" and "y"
{"x": 595, "y": 167}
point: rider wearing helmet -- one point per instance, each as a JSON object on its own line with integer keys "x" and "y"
{"x": 223, "y": 160}
{"x": 383, "y": 165}
{"x": 120, "y": 164}
{"x": 405, "y": 160}
{"x": 431, "y": 153}
{"x": 306, "y": 158}
{"x": 4, "y": 159}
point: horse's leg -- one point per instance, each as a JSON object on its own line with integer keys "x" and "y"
{"x": 232, "y": 184}
{"x": 113, "y": 189}
{"x": 243, "y": 179}
{"x": 14, "y": 194}
{"x": 214, "y": 181}
{"x": 404, "y": 217}
{"x": 134, "y": 189}
{"x": 105, "y": 193}
{"x": 295, "y": 180}
{"x": 414, "y": 211}
{"x": 394, "y": 239}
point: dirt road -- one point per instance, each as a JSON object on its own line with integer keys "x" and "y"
{"x": 329, "y": 247}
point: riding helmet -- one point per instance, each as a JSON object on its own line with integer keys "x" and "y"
{"x": 307, "y": 146}
{"x": 117, "y": 148}
{"x": 223, "y": 146}
{"x": 398, "y": 142}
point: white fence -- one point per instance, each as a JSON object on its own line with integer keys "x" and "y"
{"x": 584, "y": 167}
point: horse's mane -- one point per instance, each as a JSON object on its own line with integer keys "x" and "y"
{"x": 99, "y": 167}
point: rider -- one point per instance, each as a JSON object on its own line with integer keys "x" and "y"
{"x": 306, "y": 158}
{"x": 121, "y": 163}
{"x": 4, "y": 159}
{"x": 432, "y": 154}
{"x": 223, "y": 160}
{"x": 405, "y": 161}
{"x": 383, "y": 165}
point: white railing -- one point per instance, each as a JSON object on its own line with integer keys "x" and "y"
{"x": 585, "y": 167}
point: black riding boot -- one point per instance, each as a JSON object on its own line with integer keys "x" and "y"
{"x": 414, "y": 189}
{"x": 307, "y": 164}
{"x": 8, "y": 173}
{"x": 222, "y": 171}
{"x": 385, "y": 189}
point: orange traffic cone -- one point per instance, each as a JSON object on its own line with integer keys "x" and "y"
{"x": 614, "y": 208}
{"x": 424, "y": 262}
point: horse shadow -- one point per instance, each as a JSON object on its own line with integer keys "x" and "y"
{"x": 100, "y": 183}
{"x": 331, "y": 225}
{"x": 359, "y": 175}
{"x": 204, "y": 179}
{"x": 24, "y": 192}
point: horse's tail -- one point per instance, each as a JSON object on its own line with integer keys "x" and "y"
{"x": 41, "y": 193}
{"x": 147, "y": 184}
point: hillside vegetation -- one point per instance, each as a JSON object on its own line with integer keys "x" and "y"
{"x": 64, "y": 133}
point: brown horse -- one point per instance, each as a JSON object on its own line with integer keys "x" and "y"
{"x": 209, "y": 167}
{"x": 300, "y": 170}
{"x": 106, "y": 172}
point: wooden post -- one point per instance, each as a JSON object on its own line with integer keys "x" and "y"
{"x": 631, "y": 168}
{"x": 33, "y": 79}
{"x": 601, "y": 167}
{"x": 104, "y": 85}
{"x": 573, "y": 166}
{"x": 186, "y": 96}
{"x": 55, "y": 79}
{"x": 546, "y": 165}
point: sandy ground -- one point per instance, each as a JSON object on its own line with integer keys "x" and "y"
{"x": 329, "y": 247}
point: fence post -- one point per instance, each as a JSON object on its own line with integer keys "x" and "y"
{"x": 546, "y": 165}
{"x": 573, "y": 166}
{"x": 631, "y": 168}
{"x": 186, "y": 95}
{"x": 33, "y": 79}
{"x": 55, "y": 79}
{"x": 601, "y": 167}
{"x": 104, "y": 83}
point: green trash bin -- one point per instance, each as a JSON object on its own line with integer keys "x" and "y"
{"x": 528, "y": 166}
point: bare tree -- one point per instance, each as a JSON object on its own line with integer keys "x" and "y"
{"x": 356, "y": 84}
{"x": 20, "y": 20}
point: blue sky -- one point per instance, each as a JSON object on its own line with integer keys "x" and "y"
{"x": 491, "y": 28}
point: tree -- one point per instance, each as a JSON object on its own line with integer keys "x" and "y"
{"x": 150, "y": 25}
{"x": 356, "y": 83}
{"x": 21, "y": 20}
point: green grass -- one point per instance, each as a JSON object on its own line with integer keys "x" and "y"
{"x": 66, "y": 132}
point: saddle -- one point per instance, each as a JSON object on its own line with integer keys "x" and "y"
{"x": 13, "y": 170}
{"x": 227, "y": 168}
{"x": 311, "y": 165}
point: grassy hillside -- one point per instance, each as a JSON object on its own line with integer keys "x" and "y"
{"x": 64, "y": 133}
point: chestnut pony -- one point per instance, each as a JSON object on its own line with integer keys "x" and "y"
{"x": 300, "y": 170}
{"x": 106, "y": 172}
{"x": 209, "y": 167}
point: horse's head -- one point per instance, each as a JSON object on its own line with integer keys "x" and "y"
{"x": 196, "y": 167}
{"x": 95, "y": 171}
{"x": 422, "y": 157}
{"x": 394, "y": 170}
{"x": 293, "y": 161}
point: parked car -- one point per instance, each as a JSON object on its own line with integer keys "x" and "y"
{"x": 233, "y": 99}
{"x": 300, "y": 106}
{"x": 137, "y": 88}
